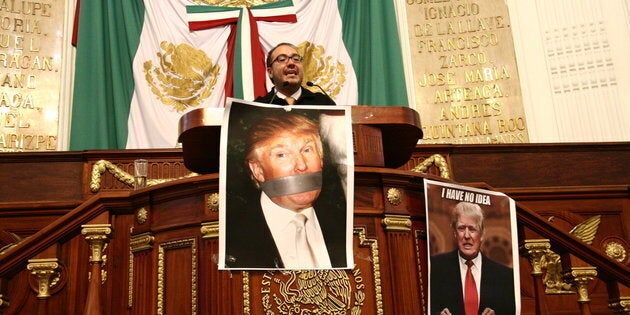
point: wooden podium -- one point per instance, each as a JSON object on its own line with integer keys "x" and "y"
{"x": 383, "y": 137}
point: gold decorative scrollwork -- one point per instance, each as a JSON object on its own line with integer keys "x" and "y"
{"x": 615, "y": 251}
{"x": 97, "y": 235}
{"x": 142, "y": 215}
{"x": 162, "y": 271}
{"x": 4, "y": 302}
{"x": 397, "y": 222}
{"x": 137, "y": 243}
{"x": 46, "y": 271}
{"x": 234, "y": 3}
{"x": 542, "y": 257}
{"x": 210, "y": 230}
{"x": 394, "y": 196}
{"x": 553, "y": 279}
{"x": 436, "y": 159}
{"x": 621, "y": 305}
{"x": 534, "y": 250}
{"x": 213, "y": 202}
{"x": 587, "y": 230}
{"x": 581, "y": 277}
{"x": 318, "y": 291}
{"x": 102, "y": 166}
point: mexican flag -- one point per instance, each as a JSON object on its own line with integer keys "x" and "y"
{"x": 141, "y": 65}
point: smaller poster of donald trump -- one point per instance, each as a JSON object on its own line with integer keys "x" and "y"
{"x": 473, "y": 251}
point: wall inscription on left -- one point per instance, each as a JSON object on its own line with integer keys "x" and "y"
{"x": 31, "y": 38}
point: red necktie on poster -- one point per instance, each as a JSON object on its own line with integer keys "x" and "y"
{"x": 470, "y": 292}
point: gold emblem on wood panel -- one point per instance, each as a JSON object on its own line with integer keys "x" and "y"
{"x": 394, "y": 196}
{"x": 318, "y": 291}
{"x": 142, "y": 215}
{"x": 310, "y": 292}
{"x": 161, "y": 271}
{"x": 615, "y": 251}
{"x": 213, "y": 202}
{"x": 436, "y": 159}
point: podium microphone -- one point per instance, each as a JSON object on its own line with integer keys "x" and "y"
{"x": 310, "y": 83}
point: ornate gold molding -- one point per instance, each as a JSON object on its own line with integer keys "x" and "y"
{"x": 97, "y": 236}
{"x": 46, "y": 272}
{"x": 210, "y": 230}
{"x": 436, "y": 159}
{"x": 101, "y": 166}
{"x": 141, "y": 242}
{"x": 542, "y": 257}
{"x": 361, "y": 232}
{"x": 581, "y": 277}
{"x": 394, "y": 196}
{"x": 4, "y": 302}
{"x": 553, "y": 280}
{"x": 161, "y": 271}
{"x": 534, "y": 250}
{"x": 621, "y": 305}
{"x": 420, "y": 234}
{"x": 137, "y": 243}
{"x": 393, "y": 222}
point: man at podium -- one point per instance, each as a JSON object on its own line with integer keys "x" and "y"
{"x": 286, "y": 72}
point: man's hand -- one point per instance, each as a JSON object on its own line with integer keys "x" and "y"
{"x": 488, "y": 311}
{"x": 446, "y": 312}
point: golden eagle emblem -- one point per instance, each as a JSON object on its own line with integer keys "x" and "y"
{"x": 315, "y": 292}
{"x": 321, "y": 69}
{"x": 184, "y": 76}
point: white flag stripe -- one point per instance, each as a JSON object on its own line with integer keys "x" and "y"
{"x": 273, "y": 11}
{"x": 209, "y": 16}
{"x": 246, "y": 57}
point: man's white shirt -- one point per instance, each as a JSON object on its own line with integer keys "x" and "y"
{"x": 283, "y": 231}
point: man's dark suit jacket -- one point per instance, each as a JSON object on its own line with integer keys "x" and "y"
{"x": 497, "y": 285}
{"x": 307, "y": 98}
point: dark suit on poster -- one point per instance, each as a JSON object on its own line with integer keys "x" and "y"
{"x": 497, "y": 285}
{"x": 249, "y": 242}
{"x": 307, "y": 98}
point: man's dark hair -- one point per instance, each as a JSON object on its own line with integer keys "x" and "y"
{"x": 269, "y": 61}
